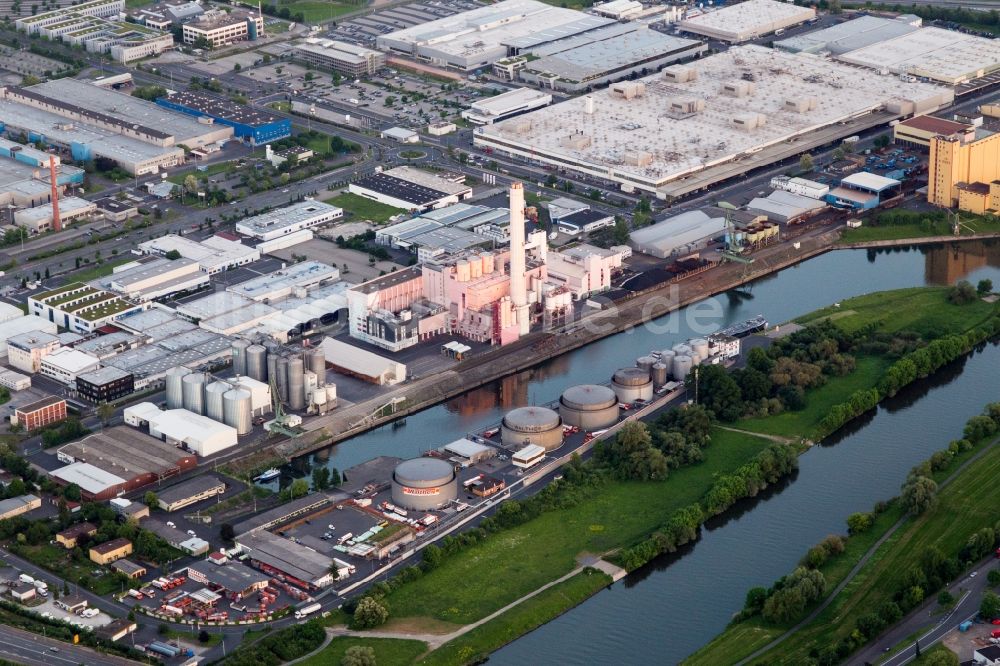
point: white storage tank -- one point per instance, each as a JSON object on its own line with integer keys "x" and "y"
{"x": 700, "y": 348}
{"x": 237, "y": 408}
{"x": 645, "y": 363}
{"x": 424, "y": 484}
{"x": 281, "y": 378}
{"x": 257, "y": 362}
{"x": 681, "y": 348}
{"x": 316, "y": 362}
{"x": 681, "y": 367}
{"x": 589, "y": 406}
{"x": 175, "y": 390}
{"x": 213, "y": 400}
{"x": 631, "y": 384}
{"x": 272, "y": 367}
{"x": 239, "y": 350}
{"x": 532, "y": 425}
{"x": 296, "y": 383}
{"x": 193, "y": 388}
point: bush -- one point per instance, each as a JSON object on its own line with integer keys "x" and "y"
{"x": 369, "y": 613}
{"x": 961, "y": 293}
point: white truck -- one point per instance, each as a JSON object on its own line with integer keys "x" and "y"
{"x": 41, "y": 586}
{"x": 305, "y": 611}
{"x": 25, "y": 578}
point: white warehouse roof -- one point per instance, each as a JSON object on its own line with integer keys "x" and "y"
{"x": 91, "y": 479}
{"x": 198, "y": 433}
{"x": 747, "y": 20}
{"x": 869, "y": 181}
{"x": 23, "y": 324}
{"x": 677, "y": 233}
{"x": 781, "y": 206}
{"x": 355, "y": 360}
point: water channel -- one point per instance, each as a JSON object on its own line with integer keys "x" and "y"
{"x": 670, "y": 608}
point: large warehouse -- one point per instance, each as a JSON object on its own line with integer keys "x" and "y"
{"x": 198, "y": 434}
{"x": 300, "y": 565}
{"x": 693, "y": 125}
{"x": 423, "y": 484}
{"x": 283, "y": 221}
{"x": 850, "y": 35}
{"x": 505, "y": 105}
{"x": 411, "y": 189}
{"x": 249, "y": 124}
{"x": 748, "y": 20}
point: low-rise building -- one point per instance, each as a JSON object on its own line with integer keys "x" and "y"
{"x": 196, "y": 433}
{"x": 410, "y": 189}
{"x": 236, "y": 579}
{"x": 583, "y": 270}
{"x": 300, "y": 565}
{"x": 80, "y": 308}
{"x": 15, "y": 506}
{"x": 341, "y": 57}
{"x": 159, "y": 278}
{"x": 110, "y": 551}
{"x": 129, "y": 568}
{"x": 117, "y": 629}
{"x": 70, "y": 537}
{"x": 105, "y": 384}
{"x": 506, "y": 105}
{"x": 190, "y": 492}
{"x": 863, "y": 191}
{"x": 584, "y": 222}
{"x": 26, "y": 351}
{"x": 249, "y": 124}
{"x": 23, "y": 591}
{"x": 219, "y": 27}
{"x": 115, "y": 210}
{"x": 214, "y": 255}
{"x": 40, "y": 413}
{"x": 65, "y": 364}
{"x": 128, "y": 509}
{"x": 918, "y": 131}
{"x": 71, "y": 603}
{"x": 40, "y": 219}
{"x": 283, "y": 221}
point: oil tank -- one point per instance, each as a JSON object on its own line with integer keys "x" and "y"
{"x": 316, "y": 362}
{"x": 240, "y": 356}
{"x": 175, "y": 390}
{"x": 532, "y": 425}
{"x": 236, "y": 405}
{"x": 681, "y": 348}
{"x": 681, "y": 367}
{"x": 296, "y": 383}
{"x": 213, "y": 400}
{"x": 281, "y": 378}
{"x": 257, "y": 362}
{"x": 272, "y": 366}
{"x": 193, "y": 389}
{"x": 631, "y": 384}
{"x": 667, "y": 357}
{"x": 589, "y": 406}
{"x": 660, "y": 373}
{"x": 645, "y": 362}
{"x": 700, "y": 347}
{"x": 422, "y": 484}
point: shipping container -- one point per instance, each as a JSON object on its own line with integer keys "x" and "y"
{"x": 306, "y": 610}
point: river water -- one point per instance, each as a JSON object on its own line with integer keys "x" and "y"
{"x": 670, "y": 608}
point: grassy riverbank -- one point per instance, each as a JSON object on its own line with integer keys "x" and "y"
{"x": 901, "y": 224}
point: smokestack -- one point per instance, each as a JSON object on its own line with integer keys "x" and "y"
{"x": 56, "y": 222}
{"x": 518, "y": 283}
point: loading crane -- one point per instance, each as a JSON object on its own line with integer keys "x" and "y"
{"x": 282, "y": 423}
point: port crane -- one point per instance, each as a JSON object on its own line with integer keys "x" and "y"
{"x": 734, "y": 252}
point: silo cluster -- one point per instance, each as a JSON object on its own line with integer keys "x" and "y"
{"x": 631, "y": 384}
{"x": 239, "y": 351}
{"x": 237, "y": 410}
{"x": 193, "y": 392}
{"x": 589, "y": 406}
{"x": 175, "y": 388}
{"x": 532, "y": 425}
{"x": 213, "y": 399}
{"x": 257, "y": 362}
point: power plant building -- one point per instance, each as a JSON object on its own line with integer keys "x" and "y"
{"x": 423, "y": 484}
{"x": 690, "y": 126}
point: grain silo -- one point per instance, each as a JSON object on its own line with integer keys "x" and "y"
{"x": 699, "y": 346}
{"x": 175, "y": 389}
{"x": 281, "y": 378}
{"x": 296, "y": 383}
{"x": 213, "y": 400}
{"x": 589, "y": 406}
{"x": 257, "y": 362}
{"x": 272, "y": 367}
{"x": 316, "y": 362}
{"x": 239, "y": 349}
{"x": 237, "y": 408}
{"x": 193, "y": 389}
{"x": 631, "y": 384}
{"x": 532, "y": 425}
{"x": 423, "y": 484}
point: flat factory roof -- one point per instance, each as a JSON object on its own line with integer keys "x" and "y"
{"x": 233, "y": 576}
{"x": 103, "y": 375}
{"x": 294, "y": 559}
{"x": 747, "y": 20}
{"x": 397, "y": 188}
{"x": 302, "y": 274}
{"x": 281, "y": 513}
{"x": 126, "y": 452}
{"x": 428, "y": 179}
{"x": 279, "y": 218}
{"x": 91, "y": 479}
{"x": 195, "y": 486}
{"x": 510, "y": 101}
{"x": 847, "y": 36}
{"x": 869, "y": 181}
{"x": 219, "y": 107}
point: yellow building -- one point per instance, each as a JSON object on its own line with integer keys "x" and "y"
{"x": 953, "y": 162}
{"x": 110, "y": 551}
{"x": 979, "y": 198}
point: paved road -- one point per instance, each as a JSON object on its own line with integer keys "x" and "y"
{"x": 24, "y": 647}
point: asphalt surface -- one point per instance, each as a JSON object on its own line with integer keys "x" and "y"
{"x": 24, "y": 647}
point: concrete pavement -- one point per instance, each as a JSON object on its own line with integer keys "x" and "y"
{"x": 23, "y": 647}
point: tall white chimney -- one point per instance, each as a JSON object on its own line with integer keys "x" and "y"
{"x": 518, "y": 283}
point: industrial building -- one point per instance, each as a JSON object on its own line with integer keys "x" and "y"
{"x": 469, "y": 452}
{"x": 129, "y": 510}
{"x": 744, "y": 21}
{"x": 15, "y": 506}
{"x": 129, "y": 569}
{"x": 196, "y": 433}
{"x": 107, "y": 345}
{"x": 692, "y": 125}
{"x": 288, "y": 220}
{"x": 159, "y": 278}
{"x": 190, "y": 492}
{"x": 300, "y": 565}
{"x": 801, "y": 186}
{"x": 14, "y": 381}
{"x": 250, "y": 125}
{"x": 80, "y": 308}
{"x": 39, "y": 413}
{"x": 220, "y": 27}
{"x": 63, "y": 365}
{"x": 114, "y": 210}
{"x": 850, "y": 35}
{"x": 863, "y": 191}
{"x": 25, "y": 175}
{"x": 163, "y": 15}
{"x": 109, "y": 551}
{"x": 237, "y": 580}
{"x": 506, "y": 105}
{"x": 423, "y": 484}
{"x": 105, "y": 384}
{"x": 214, "y": 254}
{"x": 23, "y": 324}
{"x": 681, "y": 234}
{"x": 582, "y": 270}
{"x": 584, "y": 222}
{"x": 918, "y": 131}
{"x": 979, "y": 198}
{"x": 280, "y": 514}
{"x": 281, "y": 284}
{"x": 25, "y": 351}
{"x": 341, "y": 57}
{"x": 357, "y": 362}
{"x": 785, "y": 206}
{"x": 41, "y": 218}
{"x": 95, "y": 26}
{"x": 69, "y": 537}
{"x": 94, "y": 482}
{"x": 226, "y": 313}
{"x": 589, "y": 407}
{"x": 954, "y": 162}
{"x": 540, "y": 426}
{"x": 410, "y": 189}
{"x": 188, "y": 346}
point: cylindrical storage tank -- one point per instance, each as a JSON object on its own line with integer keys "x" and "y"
{"x": 589, "y": 407}
{"x": 240, "y": 356}
{"x": 257, "y": 362}
{"x": 660, "y": 374}
{"x": 681, "y": 367}
{"x": 272, "y": 366}
{"x": 213, "y": 400}
{"x": 695, "y": 359}
{"x": 237, "y": 410}
{"x": 423, "y": 484}
{"x": 682, "y": 349}
{"x": 316, "y": 362}
{"x": 489, "y": 263}
{"x": 296, "y": 383}
{"x": 631, "y": 384}
{"x": 175, "y": 390}
{"x": 700, "y": 347}
{"x": 281, "y": 379}
{"x": 532, "y": 425}
{"x": 462, "y": 270}
{"x": 475, "y": 267}
{"x": 193, "y": 388}
{"x": 645, "y": 363}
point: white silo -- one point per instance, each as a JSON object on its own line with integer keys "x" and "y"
{"x": 257, "y": 362}
{"x": 239, "y": 350}
{"x": 237, "y": 410}
{"x": 193, "y": 387}
{"x": 296, "y": 383}
{"x": 213, "y": 400}
{"x": 175, "y": 389}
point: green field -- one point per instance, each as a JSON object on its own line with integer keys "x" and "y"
{"x": 519, "y": 620}
{"x": 89, "y": 272}
{"x": 463, "y": 589}
{"x": 364, "y": 209}
{"x": 210, "y": 170}
{"x": 388, "y": 651}
{"x": 317, "y": 12}
{"x": 923, "y": 229}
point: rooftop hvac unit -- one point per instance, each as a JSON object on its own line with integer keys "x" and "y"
{"x": 577, "y": 141}
{"x": 628, "y": 89}
{"x": 749, "y": 121}
{"x": 639, "y": 158}
{"x": 520, "y": 126}
{"x": 680, "y": 74}
{"x": 738, "y": 88}
{"x": 800, "y": 104}
{"x": 691, "y": 105}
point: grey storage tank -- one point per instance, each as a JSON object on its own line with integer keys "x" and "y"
{"x": 423, "y": 484}
{"x": 681, "y": 367}
{"x": 272, "y": 367}
{"x": 175, "y": 390}
{"x": 257, "y": 362}
{"x": 645, "y": 363}
{"x": 239, "y": 349}
{"x": 660, "y": 374}
{"x": 236, "y": 404}
{"x": 631, "y": 384}
{"x": 281, "y": 378}
{"x": 316, "y": 362}
{"x": 213, "y": 400}
{"x": 681, "y": 348}
{"x": 532, "y": 425}
{"x": 193, "y": 387}
{"x": 700, "y": 348}
{"x": 296, "y": 383}
{"x": 589, "y": 407}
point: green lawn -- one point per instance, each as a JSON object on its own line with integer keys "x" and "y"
{"x": 463, "y": 589}
{"x": 364, "y": 209}
{"x": 518, "y": 621}
{"x": 57, "y": 560}
{"x": 210, "y": 170}
{"x": 192, "y": 637}
{"x": 388, "y": 651}
{"x": 920, "y": 229}
{"x": 89, "y": 273}
{"x": 316, "y": 12}
{"x": 819, "y": 401}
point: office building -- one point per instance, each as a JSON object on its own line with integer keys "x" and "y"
{"x": 40, "y": 413}
{"x": 217, "y": 28}
{"x": 26, "y": 350}
{"x": 105, "y": 384}
{"x": 342, "y": 57}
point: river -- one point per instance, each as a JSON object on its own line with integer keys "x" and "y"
{"x": 670, "y": 608}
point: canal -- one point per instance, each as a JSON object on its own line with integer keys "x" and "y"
{"x": 670, "y": 608}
